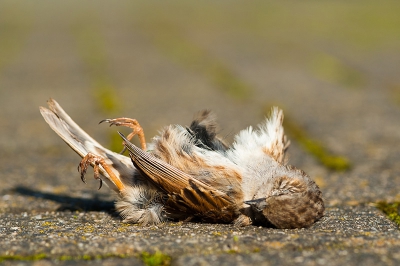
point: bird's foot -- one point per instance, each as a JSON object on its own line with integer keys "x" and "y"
{"x": 131, "y": 123}
{"x": 97, "y": 161}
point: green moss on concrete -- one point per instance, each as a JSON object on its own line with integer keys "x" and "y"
{"x": 48, "y": 224}
{"x": 255, "y": 250}
{"x": 88, "y": 257}
{"x": 156, "y": 259}
{"x": 316, "y": 149}
{"x": 392, "y": 210}
{"x": 232, "y": 251}
{"x": 35, "y": 257}
{"x": 41, "y": 256}
{"x": 64, "y": 258}
{"x": 106, "y": 98}
{"x": 86, "y": 228}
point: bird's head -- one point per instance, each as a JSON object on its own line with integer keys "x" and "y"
{"x": 293, "y": 202}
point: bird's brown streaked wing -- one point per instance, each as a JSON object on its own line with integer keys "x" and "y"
{"x": 200, "y": 203}
{"x": 196, "y": 195}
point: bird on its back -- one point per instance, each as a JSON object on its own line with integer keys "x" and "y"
{"x": 190, "y": 174}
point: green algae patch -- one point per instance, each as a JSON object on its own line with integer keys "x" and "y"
{"x": 87, "y": 257}
{"x": 392, "y": 210}
{"x": 315, "y": 148}
{"x": 156, "y": 259}
{"x": 106, "y": 98}
{"x": 35, "y": 257}
{"x": 86, "y": 228}
{"x": 42, "y": 256}
{"x": 49, "y": 224}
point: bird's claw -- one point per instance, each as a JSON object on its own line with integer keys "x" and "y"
{"x": 90, "y": 159}
{"x": 113, "y": 122}
{"x": 82, "y": 167}
{"x": 131, "y": 123}
{"x": 101, "y": 184}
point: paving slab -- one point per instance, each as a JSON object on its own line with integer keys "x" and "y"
{"x": 161, "y": 63}
{"x": 344, "y": 234}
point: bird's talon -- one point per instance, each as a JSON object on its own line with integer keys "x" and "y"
{"x": 83, "y": 165}
{"x": 131, "y": 123}
{"x": 96, "y": 161}
{"x": 82, "y": 170}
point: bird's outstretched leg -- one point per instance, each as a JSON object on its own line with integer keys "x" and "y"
{"x": 96, "y": 161}
{"x": 131, "y": 123}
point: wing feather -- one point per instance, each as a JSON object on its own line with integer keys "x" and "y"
{"x": 186, "y": 192}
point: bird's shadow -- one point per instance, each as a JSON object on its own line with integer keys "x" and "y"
{"x": 69, "y": 203}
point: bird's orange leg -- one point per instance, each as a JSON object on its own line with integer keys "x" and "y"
{"x": 131, "y": 123}
{"x": 95, "y": 160}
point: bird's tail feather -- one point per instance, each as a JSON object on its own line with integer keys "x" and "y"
{"x": 82, "y": 143}
{"x": 66, "y": 128}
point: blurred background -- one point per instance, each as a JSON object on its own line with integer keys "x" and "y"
{"x": 333, "y": 66}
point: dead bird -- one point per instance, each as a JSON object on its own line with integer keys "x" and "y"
{"x": 190, "y": 174}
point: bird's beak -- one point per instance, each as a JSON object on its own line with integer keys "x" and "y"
{"x": 258, "y": 204}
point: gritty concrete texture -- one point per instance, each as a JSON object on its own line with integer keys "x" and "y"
{"x": 332, "y": 67}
